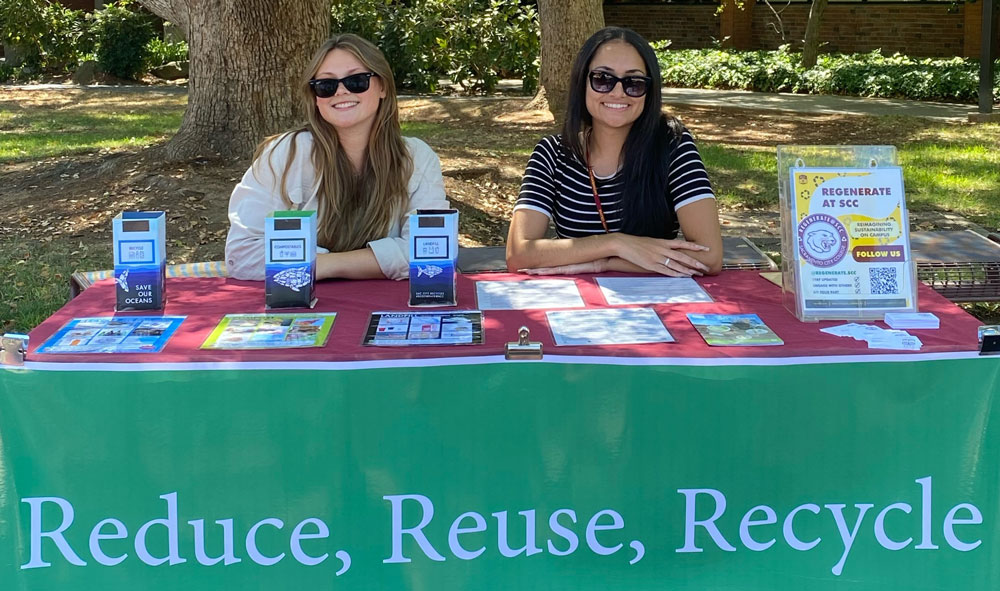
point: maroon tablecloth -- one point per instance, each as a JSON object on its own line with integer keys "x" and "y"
{"x": 204, "y": 301}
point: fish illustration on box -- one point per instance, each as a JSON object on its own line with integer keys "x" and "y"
{"x": 433, "y": 257}
{"x": 294, "y": 278}
{"x": 429, "y": 271}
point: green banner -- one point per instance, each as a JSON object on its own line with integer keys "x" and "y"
{"x": 877, "y": 475}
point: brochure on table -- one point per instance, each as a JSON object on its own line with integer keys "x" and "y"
{"x": 727, "y": 330}
{"x": 113, "y": 334}
{"x": 846, "y": 242}
{"x": 271, "y": 331}
{"x": 395, "y": 329}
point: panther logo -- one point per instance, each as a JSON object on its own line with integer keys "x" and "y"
{"x": 821, "y": 241}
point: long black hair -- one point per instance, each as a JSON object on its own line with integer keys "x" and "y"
{"x": 645, "y": 211}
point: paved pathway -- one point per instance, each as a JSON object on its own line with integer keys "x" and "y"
{"x": 803, "y": 103}
{"x": 735, "y": 99}
{"x": 816, "y": 103}
{"x": 174, "y": 89}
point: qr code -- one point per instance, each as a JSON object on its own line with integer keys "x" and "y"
{"x": 883, "y": 280}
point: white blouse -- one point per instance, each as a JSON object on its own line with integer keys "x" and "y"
{"x": 258, "y": 195}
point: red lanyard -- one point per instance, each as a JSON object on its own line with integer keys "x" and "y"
{"x": 593, "y": 187}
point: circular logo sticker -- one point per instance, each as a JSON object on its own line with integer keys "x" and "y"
{"x": 822, "y": 240}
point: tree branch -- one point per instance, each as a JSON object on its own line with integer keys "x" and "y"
{"x": 175, "y": 11}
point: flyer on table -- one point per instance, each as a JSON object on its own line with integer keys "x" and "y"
{"x": 745, "y": 330}
{"x": 271, "y": 331}
{"x": 463, "y": 327}
{"x": 851, "y": 239}
{"x": 113, "y": 334}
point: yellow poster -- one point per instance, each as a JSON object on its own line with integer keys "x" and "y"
{"x": 851, "y": 240}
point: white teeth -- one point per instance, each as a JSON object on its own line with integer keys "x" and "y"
{"x": 615, "y": 105}
{"x": 344, "y": 105}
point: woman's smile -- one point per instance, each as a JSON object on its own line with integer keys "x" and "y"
{"x": 615, "y": 106}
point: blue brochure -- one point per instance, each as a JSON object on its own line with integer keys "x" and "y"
{"x": 113, "y": 334}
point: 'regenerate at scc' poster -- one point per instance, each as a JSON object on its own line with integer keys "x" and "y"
{"x": 851, "y": 240}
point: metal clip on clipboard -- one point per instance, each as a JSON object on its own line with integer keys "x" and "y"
{"x": 524, "y": 348}
{"x": 989, "y": 339}
{"x": 13, "y": 348}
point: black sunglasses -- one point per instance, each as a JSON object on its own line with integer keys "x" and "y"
{"x": 327, "y": 87}
{"x": 634, "y": 86}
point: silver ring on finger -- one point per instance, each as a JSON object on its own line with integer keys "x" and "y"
{"x": 666, "y": 263}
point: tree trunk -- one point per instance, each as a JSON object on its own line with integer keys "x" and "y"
{"x": 810, "y": 45}
{"x": 565, "y": 25}
{"x": 246, "y": 57}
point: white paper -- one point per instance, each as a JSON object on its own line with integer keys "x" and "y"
{"x": 528, "y": 295}
{"x": 619, "y": 291}
{"x": 876, "y": 337}
{"x": 918, "y": 320}
{"x": 841, "y": 330}
{"x": 609, "y": 326}
{"x": 893, "y": 341}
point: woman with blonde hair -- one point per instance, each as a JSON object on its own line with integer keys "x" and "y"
{"x": 349, "y": 162}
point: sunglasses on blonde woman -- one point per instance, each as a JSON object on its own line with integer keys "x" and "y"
{"x": 355, "y": 83}
{"x": 634, "y": 86}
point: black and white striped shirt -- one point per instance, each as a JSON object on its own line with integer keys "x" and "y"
{"x": 556, "y": 184}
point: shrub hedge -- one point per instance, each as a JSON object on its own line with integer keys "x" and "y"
{"x": 52, "y": 39}
{"x": 163, "y": 52}
{"x": 861, "y": 74}
{"x": 473, "y": 43}
{"x": 46, "y": 34}
{"x": 123, "y": 36}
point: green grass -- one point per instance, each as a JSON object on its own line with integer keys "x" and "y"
{"x": 945, "y": 167}
{"x": 423, "y": 129}
{"x": 82, "y": 122}
{"x": 743, "y": 178}
{"x": 36, "y": 279}
{"x": 961, "y": 174}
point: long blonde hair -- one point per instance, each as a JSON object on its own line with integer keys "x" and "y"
{"x": 354, "y": 209}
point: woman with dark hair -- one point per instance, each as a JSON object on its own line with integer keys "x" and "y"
{"x": 349, "y": 161}
{"x": 620, "y": 179}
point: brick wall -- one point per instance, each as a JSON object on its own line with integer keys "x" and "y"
{"x": 928, "y": 30}
{"x": 974, "y": 25}
{"x": 687, "y": 26}
{"x": 933, "y": 29}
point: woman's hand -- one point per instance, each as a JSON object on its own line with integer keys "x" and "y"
{"x": 666, "y": 257}
{"x": 527, "y": 249}
{"x": 598, "y": 266}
